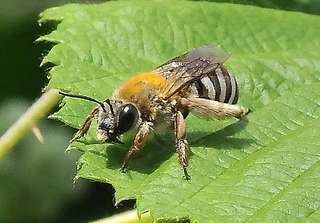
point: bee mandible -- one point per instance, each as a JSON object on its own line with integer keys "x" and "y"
{"x": 196, "y": 82}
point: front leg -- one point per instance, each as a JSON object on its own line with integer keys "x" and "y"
{"x": 182, "y": 145}
{"x": 138, "y": 143}
{"x": 86, "y": 125}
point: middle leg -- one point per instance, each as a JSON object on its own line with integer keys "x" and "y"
{"x": 182, "y": 145}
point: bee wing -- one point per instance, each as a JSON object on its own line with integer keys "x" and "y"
{"x": 181, "y": 71}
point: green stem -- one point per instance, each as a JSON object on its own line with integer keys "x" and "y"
{"x": 24, "y": 124}
{"x": 128, "y": 217}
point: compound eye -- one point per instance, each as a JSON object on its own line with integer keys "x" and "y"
{"x": 127, "y": 117}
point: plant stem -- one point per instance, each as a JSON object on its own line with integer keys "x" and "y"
{"x": 28, "y": 120}
{"x": 128, "y": 217}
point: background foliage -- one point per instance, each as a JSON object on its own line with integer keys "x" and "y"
{"x": 27, "y": 174}
{"x": 259, "y": 170}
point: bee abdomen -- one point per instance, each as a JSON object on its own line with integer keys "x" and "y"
{"x": 219, "y": 85}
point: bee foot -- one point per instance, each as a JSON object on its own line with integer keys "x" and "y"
{"x": 186, "y": 175}
{"x": 243, "y": 115}
{"x": 123, "y": 169}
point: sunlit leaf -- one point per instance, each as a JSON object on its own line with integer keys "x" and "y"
{"x": 265, "y": 169}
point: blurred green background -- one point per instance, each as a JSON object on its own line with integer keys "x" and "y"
{"x": 37, "y": 179}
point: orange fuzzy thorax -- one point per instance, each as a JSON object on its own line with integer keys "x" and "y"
{"x": 139, "y": 87}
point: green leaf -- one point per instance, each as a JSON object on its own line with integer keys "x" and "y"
{"x": 307, "y": 6}
{"x": 264, "y": 169}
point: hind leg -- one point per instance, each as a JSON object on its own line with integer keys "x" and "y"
{"x": 208, "y": 108}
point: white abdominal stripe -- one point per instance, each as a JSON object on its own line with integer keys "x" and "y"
{"x": 219, "y": 85}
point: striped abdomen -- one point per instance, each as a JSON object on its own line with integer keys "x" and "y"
{"x": 219, "y": 85}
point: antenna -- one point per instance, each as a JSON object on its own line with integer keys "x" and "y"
{"x": 85, "y": 98}
{"x": 111, "y": 109}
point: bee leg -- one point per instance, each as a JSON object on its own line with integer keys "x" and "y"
{"x": 138, "y": 142}
{"x": 209, "y": 108}
{"x": 85, "y": 126}
{"x": 182, "y": 145}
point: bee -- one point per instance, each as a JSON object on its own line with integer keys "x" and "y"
{"x": 196, "y": 82}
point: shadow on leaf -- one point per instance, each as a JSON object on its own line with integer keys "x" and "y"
{"x": 224, "y": 138}
{"x": 161, "y": 147}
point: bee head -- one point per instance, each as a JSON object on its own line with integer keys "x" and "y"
{"x": 116, "y": 119}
